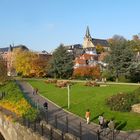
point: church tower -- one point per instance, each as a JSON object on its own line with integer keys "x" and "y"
{"x": 88, "y": 40}
{"x": 87, "y": 33}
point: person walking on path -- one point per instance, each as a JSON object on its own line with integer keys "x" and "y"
{"x": 87, "y": 116}
{"x": 111, "y": 125}
{"x": 33, "y": 91}
{"x": 45, "y": 105}
{"x": 36, "y": 91}
{"x": 101, "y": 121}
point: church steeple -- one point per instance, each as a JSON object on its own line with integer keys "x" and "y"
{"x": 87, "y": 32}
{"x": 88, "y": 43}
{"x": 10, "y": 48}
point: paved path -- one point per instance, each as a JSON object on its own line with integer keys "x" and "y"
{"x": 88, "y": 130}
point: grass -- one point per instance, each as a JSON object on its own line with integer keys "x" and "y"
{"x": 82, "y": 98}
{"x": 15, "y": 101}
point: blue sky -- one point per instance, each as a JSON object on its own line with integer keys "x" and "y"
{"x": 44, "y": 24}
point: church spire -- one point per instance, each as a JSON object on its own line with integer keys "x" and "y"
{"x": 10, "y": 48}
{"x": 87, "y": 32}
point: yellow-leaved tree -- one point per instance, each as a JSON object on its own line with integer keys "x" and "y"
{"x": 22, "y": 61}
{"x": 30, "y": 63}
{"x": 3, "y": 71}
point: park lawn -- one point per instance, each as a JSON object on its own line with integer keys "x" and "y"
{"x": 83, "y": 97}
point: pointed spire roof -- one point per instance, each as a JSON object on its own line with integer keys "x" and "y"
{"x": 87, "y": 32}
{"x": 10, "y": 48}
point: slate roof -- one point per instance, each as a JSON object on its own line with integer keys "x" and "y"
{"x": 18, "y": 46}
{"x": 101, "y": 42}
{"x": 4, "y": 49}
{"x": 74, "y": 46}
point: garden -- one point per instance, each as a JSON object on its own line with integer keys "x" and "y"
{"x": 95, "y": 98}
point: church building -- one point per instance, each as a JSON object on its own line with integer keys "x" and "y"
{"x": 90, "y": 44}
{"x": 86, "y": 54}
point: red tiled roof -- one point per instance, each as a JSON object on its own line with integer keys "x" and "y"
{"x": 80, "y": 61}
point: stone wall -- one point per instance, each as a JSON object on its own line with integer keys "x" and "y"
{"x": 15, "y": 131}
{"x": 11, "y": 130}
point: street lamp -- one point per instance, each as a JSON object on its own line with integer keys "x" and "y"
{"x": 68, "y": 86}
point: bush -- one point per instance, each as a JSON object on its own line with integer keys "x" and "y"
{"x": 49, "y": 81}
{"x": 123, "y": 102}
{"x": 118, "y": 102}
{"x": 62, "y": 84}
{"x": 92, "y": 84}
{"x": 15, "y": 102}
{"x": 122, "y": 78}
{"x": 31, "y": 114}
{"x": 108, "y": 75}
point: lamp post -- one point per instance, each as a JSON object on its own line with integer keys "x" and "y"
{"x": 68, "y": 96}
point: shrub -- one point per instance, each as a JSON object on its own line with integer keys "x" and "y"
{"x": 123, "y": 78}
{"x": 49, "y": 81}
{"x": 31, "y": 114}
{"x": 61, "y": 84}
{"x": 122, "y": 101}
{"x": 108, "y": 75}
{"x": 15, "y": 101}
{"x": 118, "y": 102}
{"x": 92, "y": 84}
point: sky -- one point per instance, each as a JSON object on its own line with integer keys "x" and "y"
{"x": 44, "y": 24}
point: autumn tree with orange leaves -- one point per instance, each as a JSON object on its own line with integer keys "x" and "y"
{"x": 30, "y": 63}
{"x": 87, "y": 72}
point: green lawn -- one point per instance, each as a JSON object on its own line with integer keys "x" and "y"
{"x": 82, "y": 97}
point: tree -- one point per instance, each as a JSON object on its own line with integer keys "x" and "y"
{"x": 135, "y": 43}
{"x": 40, "y": 65}
{"x": 87, "y": 72}
{"x": 134, "y": 72}
{"x": 22, "y": 61}
{"x": 29, "y": 63}
{"x": 135, "y": 37}
{"x": 120, "y": 58}
{"x": 99, "y": 49}
{"x": 118, "y": 38}
{"x": 61, "y": 64}
{"x": 3, "y": 71}
{"x": 115, "y": 40}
